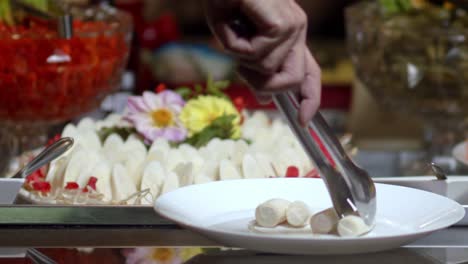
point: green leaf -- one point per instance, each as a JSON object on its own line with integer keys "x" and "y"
{"x": 389, "y": 6}
{"x": 221, "y": 128}
{"x": 198, "y": 88}
{"x": 216, "y": 88}
{"x": 185, "y": 92}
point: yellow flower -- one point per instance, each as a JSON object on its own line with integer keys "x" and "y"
{"x": 188, "y": 253}
{"x": 200, "y": 112}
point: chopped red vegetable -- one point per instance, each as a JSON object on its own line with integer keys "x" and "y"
{"x": 36, "y": 176}
{"x": 292, "y": 172}
{"x": 41, "y": 186}
{"x": 91, "y": 184}
{"x": 53, "y": 140}
{"x": 161, "y": 87}
{"x": 72, "y": 186}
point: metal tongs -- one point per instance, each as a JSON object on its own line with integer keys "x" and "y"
{"x": 351, "y": 189}
{"x": 64, "y": 20}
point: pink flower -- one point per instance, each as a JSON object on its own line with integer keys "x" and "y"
{"x": 157, "y": 115}
{"x": 153, "y": 256}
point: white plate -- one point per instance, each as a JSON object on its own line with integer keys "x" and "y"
{"x": 9, "y": 188}
{"x": 223, "y": 210}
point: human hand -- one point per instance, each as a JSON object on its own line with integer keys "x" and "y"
{"x": 276, "y": 58}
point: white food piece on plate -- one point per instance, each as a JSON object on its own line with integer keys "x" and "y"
{"x": 284, "y": 159}
{"x": 86, "y": 124}
{"x": 174, "y": 157}
{"x": 134, "y": 165}
{"x": 191, "y": 154}
{"x": 57, "y": 171}
{"x": 133, "y": 145}
{"x": 122, "y": 185}
{"x": 352, "y": 226}
{"x": 201, "y": 178}
{"x": 240, "y": 148}
{"x": 213, "y": 150}
{"x": 210, "y": 169}
{"x": 278, "y": 128}
{"x": 153, "y": 178}
{"x": 324, "y": 222}
{"x": 102, "y": 172}
{"x": 171, "y": 182}
{"x": 78, "y": 161}
{"x": 297, "y": 214}
{"x": 272, "y": 212}
{"x": 228, "y": 171}
{"x": 251, "y": 125}
{"x": 227, "y": 147}
{"x": 92, "y": 159}
{"x": 250, "y": 168}
{"x": 160, "y": 144}
{"x": 70, "y": 131}
{"x": 90, "y": 140}
{"x": 156, "y": 155}
{"x": 113, "y": 146}
{"x": 264, "y": 163}
{"x": 184, "y": 172}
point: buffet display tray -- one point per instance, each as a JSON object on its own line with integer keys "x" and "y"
{"x": 129, "y": 226}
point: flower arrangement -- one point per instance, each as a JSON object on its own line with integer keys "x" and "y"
{"x": 160, "y": 255}
{"x": 185, "y": 115}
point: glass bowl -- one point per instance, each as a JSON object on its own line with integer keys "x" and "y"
{"x": 45, "y": 79}
{"x": 415, "y": 63}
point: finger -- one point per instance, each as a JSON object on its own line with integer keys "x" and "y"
{"x": 291, "y": 74}
{"x": 310, "y": 90}
{"x": 271, "y": 62}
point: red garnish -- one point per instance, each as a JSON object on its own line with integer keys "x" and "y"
{"x": 91, "y": 184}
{"x": 312, "y": 174}
{"x": 292, "y": 172}
{"x": 161, "y": 87}
{"x": 41, "y": 186}
{"x": 239, "y": 103}
{"x": 72, "y": 186}
{"x": 53, "y": 140}
{"x": 36, "y": 176}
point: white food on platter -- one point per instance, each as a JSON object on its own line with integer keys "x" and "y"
{"x": 153, "y": 179}
{"x": 228, "y": 171}
{"x": 324, "y": 222}
{"x": 352, "y": 226}
{"x": 272, "y": 212}
{"x": 122, "y": 185}
{"x": 297, "y": 214}
{"x": 218, "y": 160}
{"x": 103, "y": 172}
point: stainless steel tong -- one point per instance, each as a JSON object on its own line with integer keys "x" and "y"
{"x": 351, "y": 189}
